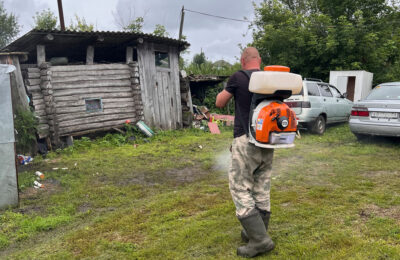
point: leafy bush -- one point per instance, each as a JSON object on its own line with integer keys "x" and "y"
{"x": 26, "y": 125}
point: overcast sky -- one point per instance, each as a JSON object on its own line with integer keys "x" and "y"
{"x": 218, "y": 38}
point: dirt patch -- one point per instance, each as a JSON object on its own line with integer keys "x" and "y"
{"x": 174, "y": 176}
{"x": 50, "y": 186}
{"x": 374, "y": 210}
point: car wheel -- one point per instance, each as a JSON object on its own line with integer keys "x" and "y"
{"x": 319, "y": 126}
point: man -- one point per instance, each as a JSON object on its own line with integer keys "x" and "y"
{"x": 250, "y": 171}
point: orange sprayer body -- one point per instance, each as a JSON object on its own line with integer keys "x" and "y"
{"x": 268, "y": 121}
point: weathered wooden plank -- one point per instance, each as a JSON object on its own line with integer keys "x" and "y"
{"x": 176, "y": 85}
{"x": 37, "y": 96}
{"x": 41, "y": 54}
{"x": 144, "y": 56}
{"x": 69, "y": 92}
{"x": 82, "y": 127}
{"x": 95, "y": 119}
{"x": 37, "y": 102}
{"x": 90, "y": 55}
{"x": 32, "y": 82}
{"x": 81, "y": 102}
{"x": 41, "y": 106}
{"x": 95, "y": 95}
{"x": 63, "y": 110}
{"x": 91, "y": 84}
{"x": 40, "y": 113}
{"x": 168, "y": 106}
{"x": 108, "y": 111}
{"x": 83, "y": 78}
{"x": 94, "y": 130}
{"x": 161, "y": 100}
{"x": 33, "y": 70}
{"x": 33, "y": 75}
{"x": 32, "y": 89}
{"x": 89, "y": 67}
{"x": 57, "y": 74}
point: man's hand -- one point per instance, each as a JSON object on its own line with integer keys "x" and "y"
{"x": 223, "y": 98}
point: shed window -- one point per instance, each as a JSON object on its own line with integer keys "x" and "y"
{"x": 162, "y": 59}
{"x": 93, "y": 105}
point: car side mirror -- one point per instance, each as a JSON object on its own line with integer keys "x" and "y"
{"x": 344, "y": 95}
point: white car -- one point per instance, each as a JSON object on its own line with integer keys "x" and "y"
{"x": 319, "y": 104}
{"x": 378, "y": 113}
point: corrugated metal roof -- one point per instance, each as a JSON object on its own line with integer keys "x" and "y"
{"x": 29, "y": 41}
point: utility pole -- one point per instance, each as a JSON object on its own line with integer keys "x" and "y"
{"x": 182, "y": 19}
{"x": 61, "y": 14}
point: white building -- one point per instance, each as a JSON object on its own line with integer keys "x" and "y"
{"x": 356, "y": 83}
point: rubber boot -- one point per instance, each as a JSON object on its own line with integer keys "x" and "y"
{"x": 259, "y": 241}
{"x": 265, "y": 215}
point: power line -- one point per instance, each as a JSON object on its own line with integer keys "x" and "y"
{"x": 217, "y": 16}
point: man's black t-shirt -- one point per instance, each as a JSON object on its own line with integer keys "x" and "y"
{"x": 238, "y": 86}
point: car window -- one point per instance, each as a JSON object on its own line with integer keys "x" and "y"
{"x": 325, "y": 91}
{"x": 385, "y": 93}
{"x": 312, "y": 89}
{"x": 335, "y": 92}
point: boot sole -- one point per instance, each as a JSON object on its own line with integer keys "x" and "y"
{"x": 256, "y": 251}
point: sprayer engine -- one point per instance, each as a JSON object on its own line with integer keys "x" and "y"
{"x": 272, "y": 123}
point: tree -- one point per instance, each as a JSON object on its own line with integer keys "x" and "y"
{"x": 160, "y": 31}
{"x": 81, "y": 25}
{"x": 199, "y": 58}
{"x": 316, "y": 36}
{"x": 45, "y": 20}
{"x": 135, "y": 26}
{"x": 9, "y": 27}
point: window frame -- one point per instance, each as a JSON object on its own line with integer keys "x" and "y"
{"x": 101, "y": 109}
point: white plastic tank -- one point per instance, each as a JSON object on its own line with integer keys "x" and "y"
{"x": 275, "y": 78}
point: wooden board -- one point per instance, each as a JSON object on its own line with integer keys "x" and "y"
{"x": 84, "y": 78}
{"x": 94, "y": 119}
{"x": 69, "y": 92}
{"x": 89, "y": 67}
{"x": 91, "y": 84}
{"x": 56, "y": 74}
{"x": 82, "y": 127}
{"x": 108, "y": 111}
{"x": 67, "y": 110}
{"x": 81, "y": 102}
{"x": 95, "y": 95}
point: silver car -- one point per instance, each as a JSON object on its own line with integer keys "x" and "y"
{"x": 319, "y": 104}
{"x": 379, "y": 113}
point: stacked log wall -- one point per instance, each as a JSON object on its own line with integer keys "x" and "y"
{"x": 59, "y": 94}
{"x": 31, "y": 75}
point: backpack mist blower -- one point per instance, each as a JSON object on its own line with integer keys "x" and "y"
{"x": 272, "y": 123}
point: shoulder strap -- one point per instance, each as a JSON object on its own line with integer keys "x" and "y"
{"x": 244, "y": 125}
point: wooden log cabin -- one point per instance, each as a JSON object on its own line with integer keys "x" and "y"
{"x": 83, "y": 82}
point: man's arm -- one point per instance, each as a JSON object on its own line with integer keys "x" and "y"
{"x": 223, "y": 98}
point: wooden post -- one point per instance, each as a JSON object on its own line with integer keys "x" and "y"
{"x": 182, "y": 20}
{"x": 41, "y": 54}
{"x": 89, "y": 55}
{"x": 129, "y": 55}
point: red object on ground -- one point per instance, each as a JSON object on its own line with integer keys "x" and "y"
{"x": 213, "y": 128}
{"x": 127, "y": 121}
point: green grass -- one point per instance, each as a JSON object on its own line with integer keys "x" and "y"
{"x": 332, "y": 198}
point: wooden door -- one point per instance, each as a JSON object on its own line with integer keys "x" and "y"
{"x": 159, "y": 79}
{"x": 351, "y": 83}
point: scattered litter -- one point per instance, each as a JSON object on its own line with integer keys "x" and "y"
{"x": 55, "y": 169}
{"x": 213, "y": 128}
{"x": 38, "y": 185}
{"x": 75, "y": 164}
{"x": 135, "y": 145}
{"x": 200, "y": 146}
{"x": 145, "y": 129}
{"x": 64, "y": 168}
{"x": 39, "y": 174}
{"x": 22, "y": 159}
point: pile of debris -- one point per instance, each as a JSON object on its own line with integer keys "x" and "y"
{"x": 204, "y": 120}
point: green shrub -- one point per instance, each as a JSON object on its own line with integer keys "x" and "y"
{"x": 26, "y": 125}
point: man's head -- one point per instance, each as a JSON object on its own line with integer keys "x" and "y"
{"x": 250, "y": 59}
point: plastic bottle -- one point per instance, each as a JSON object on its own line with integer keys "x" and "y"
{"x": 40, "y": 175}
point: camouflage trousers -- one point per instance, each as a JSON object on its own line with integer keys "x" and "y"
{"x": 250, "y": 176}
